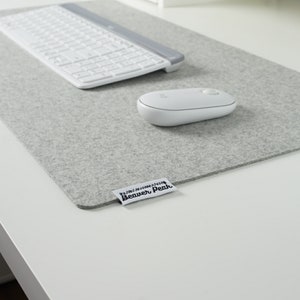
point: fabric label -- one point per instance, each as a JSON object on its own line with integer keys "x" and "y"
{"x": 144, "y": 190}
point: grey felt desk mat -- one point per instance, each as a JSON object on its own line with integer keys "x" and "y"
{"x": 92, "y": 142}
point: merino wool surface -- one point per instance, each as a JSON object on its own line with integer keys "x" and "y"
{"x": 92, "y": 142}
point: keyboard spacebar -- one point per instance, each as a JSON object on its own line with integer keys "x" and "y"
{"x": 104, "y": 76}
{"x": 127, "y": 70}
{"x": 94, "y": 78}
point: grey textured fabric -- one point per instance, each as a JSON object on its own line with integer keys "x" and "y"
{"x": 92, "y": 142}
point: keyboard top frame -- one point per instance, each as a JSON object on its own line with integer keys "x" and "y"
{"x": 171, "y": 55}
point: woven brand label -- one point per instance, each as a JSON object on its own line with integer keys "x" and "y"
{"x": 144, "y": 190}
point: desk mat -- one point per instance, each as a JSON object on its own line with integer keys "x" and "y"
{"x": 92, "y": 142}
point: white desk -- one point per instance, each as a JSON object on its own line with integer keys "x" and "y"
{"x": 231, "y": 236}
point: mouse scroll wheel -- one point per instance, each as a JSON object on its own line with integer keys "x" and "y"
{"x": 210, "y": 92}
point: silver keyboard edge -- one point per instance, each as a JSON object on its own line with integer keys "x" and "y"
{"x": 173, "y": 56}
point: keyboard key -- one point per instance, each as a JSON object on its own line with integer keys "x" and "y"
{"x": 139, "y": 59}
{"x": 147, "y": 64}
{"x": 103, "y": 51}
{"x": 73, "y": 68}
{"x": 127, "y": 70}
{"x": 81, "y": 75}
{"x": 72, "y": 56}
{"x": 86, "y": 53}
{"x": 98, "y": 70}
{"x": 126, "y": 63}
{"x": 100, "y": 76}
{"x": 111, "y": 67}
{"x": 90, "y": 67}
{"x": 60, "y": 60}
{"x": 104, "y": 63}
{"x": 26, "y": 37}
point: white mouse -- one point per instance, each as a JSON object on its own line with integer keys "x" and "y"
{"x": 182, "y": 106}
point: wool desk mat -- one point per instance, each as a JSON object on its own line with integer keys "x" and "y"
{"x": 92, "y": 142}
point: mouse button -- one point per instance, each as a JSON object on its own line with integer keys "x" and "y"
{"x": 165, "y": 99}
{"x": 214, "y": 98}
{"x": 210, "y": 92}
{"x": 154, "y": 99}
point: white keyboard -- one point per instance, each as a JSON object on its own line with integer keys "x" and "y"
{"x": 84, "y": 48}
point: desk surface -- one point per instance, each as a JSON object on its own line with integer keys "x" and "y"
{"x": 207, "y": 241}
